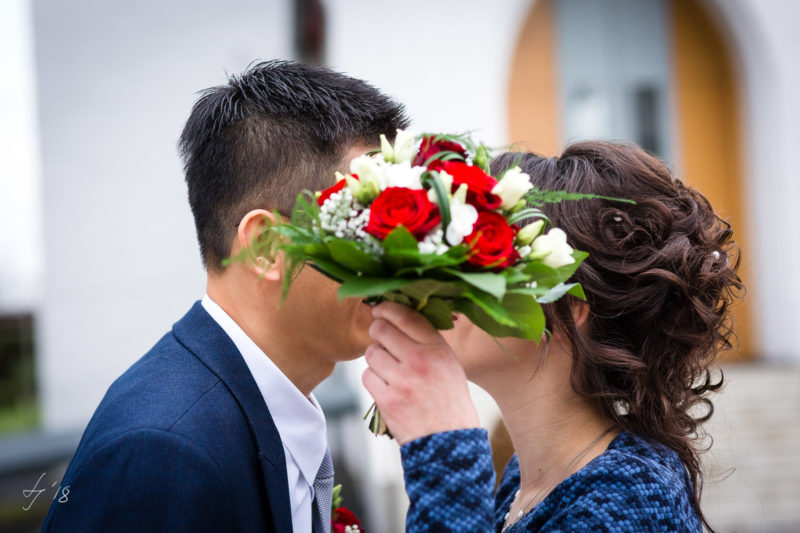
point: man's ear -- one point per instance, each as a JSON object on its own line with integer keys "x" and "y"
{"x": 252, "y": 228}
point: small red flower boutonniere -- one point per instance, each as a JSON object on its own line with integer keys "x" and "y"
{"x": 342, "y": 519}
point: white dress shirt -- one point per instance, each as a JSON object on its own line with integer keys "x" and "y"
{"x": 299, "y": 419}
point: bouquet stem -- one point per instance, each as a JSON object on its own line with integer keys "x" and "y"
{"x": 376, "y": 423}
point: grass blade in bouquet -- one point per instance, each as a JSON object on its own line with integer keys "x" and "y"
{"x": 423, "y": 223}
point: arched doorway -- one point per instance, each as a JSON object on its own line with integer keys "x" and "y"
{"x": 658, "y": 72}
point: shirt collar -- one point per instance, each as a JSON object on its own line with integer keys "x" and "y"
{"x": 299, "y": 419}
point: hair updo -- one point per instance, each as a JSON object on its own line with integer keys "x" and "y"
{"x": 659, "y": 281}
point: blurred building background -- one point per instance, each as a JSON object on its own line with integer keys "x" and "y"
{"x": 97, "y": 241}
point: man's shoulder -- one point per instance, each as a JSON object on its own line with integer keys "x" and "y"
{"x": 168, "y": 389}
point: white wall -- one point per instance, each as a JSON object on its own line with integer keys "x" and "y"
{"x": 448, "y": 61}
{"x": 20, "y": 244}
{"x": 116, "y": 83}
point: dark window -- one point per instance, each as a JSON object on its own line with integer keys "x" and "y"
{"x": 18, "y": 409}
{"x": 309, "y": 31}
{"x": 645, "y": 100}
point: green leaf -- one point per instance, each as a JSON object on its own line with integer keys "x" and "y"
{"x": 494, "y": 284}
{"x": 439, "y": 312}
{"x": 557, "y": 292}
{"x": 333, "y": 269}
{"x": 400, "y": 298}
{"x": 400, "y": 239}
{"x": 577, "y": 291}
{"x": 337, "y": 496}
{"x": 491, "y": 307}
{"x": 401, "y": 250}
{"x": 565, "y": 272}
{"x": 519, "y": 315}
{"x": 423, "y": 289}
{"x": 528, "y": 314}
{"x": 365, "y": 287}
{"x": 514, "y": 276}
{"x": 538, "y": 197}
{"x": 526, "y": 213}
{"x": 542, "y": 274}
{"x": 550, "y": 277}
{"x": 350, "y": 255}
{"x": 442, "y": 196}
{"x": 454, "y": 256}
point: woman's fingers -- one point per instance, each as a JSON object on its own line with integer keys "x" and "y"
{"x": 387, "y": 335}
{"x": 415, "y": 326}
{"x": 382, "y": 363}
{"x": 376, "y": 386}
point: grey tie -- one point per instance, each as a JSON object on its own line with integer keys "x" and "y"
{"x": 323, "y": 493}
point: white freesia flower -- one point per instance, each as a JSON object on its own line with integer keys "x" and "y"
{"x": 386, "y": 149}
{"x": 552, "y": 249}
{"x": 405, "y": 146}
{"x": 530, "y": 232}
{"x": 368, "y": 169}
{"x": 512, "y": 186}
{"x": 463, "y": 217}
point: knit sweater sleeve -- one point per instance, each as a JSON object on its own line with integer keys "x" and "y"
{"x": 450, "y": 482}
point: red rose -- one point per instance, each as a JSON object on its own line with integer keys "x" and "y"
{"x": 492, "y": 241}
{"x": 430, "y": 147}
{"x": 479, "y": 184}
{"x": 341, "y": 517}
{"x": 333, "y": 189}
{"x": 400, "y": 206}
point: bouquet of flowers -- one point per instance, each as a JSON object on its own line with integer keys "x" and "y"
{"x": 423, "y": 223}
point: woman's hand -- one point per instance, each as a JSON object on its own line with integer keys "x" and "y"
{"x": 414, "y": 376}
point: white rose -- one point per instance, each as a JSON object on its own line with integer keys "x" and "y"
{"x": 512, "y": 186}
{"x": 463, "y": 217}
{"x": 552, "y": 249}
{"x": 405, "y": 146}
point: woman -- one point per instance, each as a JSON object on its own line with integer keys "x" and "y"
{"x": 604, "y": 414}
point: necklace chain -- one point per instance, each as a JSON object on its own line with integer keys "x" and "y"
{"x": 508, "y": 520}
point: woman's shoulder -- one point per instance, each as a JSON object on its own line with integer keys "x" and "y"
{"x": 636, "y": 483}
{"x": 639, "y": 460}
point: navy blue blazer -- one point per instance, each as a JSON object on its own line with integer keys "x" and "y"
{"x": 182, "y": 441}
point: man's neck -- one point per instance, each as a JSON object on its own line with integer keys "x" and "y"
{"x": 281, "y": 341}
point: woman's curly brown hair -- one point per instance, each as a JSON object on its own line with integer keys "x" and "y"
{"x": 659, "y": 280}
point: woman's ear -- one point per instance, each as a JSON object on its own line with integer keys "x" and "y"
{"x": 252, "y": 228}
{"x": 580, "y": 312}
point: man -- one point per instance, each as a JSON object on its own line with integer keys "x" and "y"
{"x": 216, "y": 429}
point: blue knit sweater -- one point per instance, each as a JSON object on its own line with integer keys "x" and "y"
{"x": 636, "y": 485}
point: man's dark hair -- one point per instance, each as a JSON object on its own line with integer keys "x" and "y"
{"x": 278, "y": 128}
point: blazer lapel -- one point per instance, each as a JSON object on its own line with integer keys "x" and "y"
{"x": 208, "y": 342}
